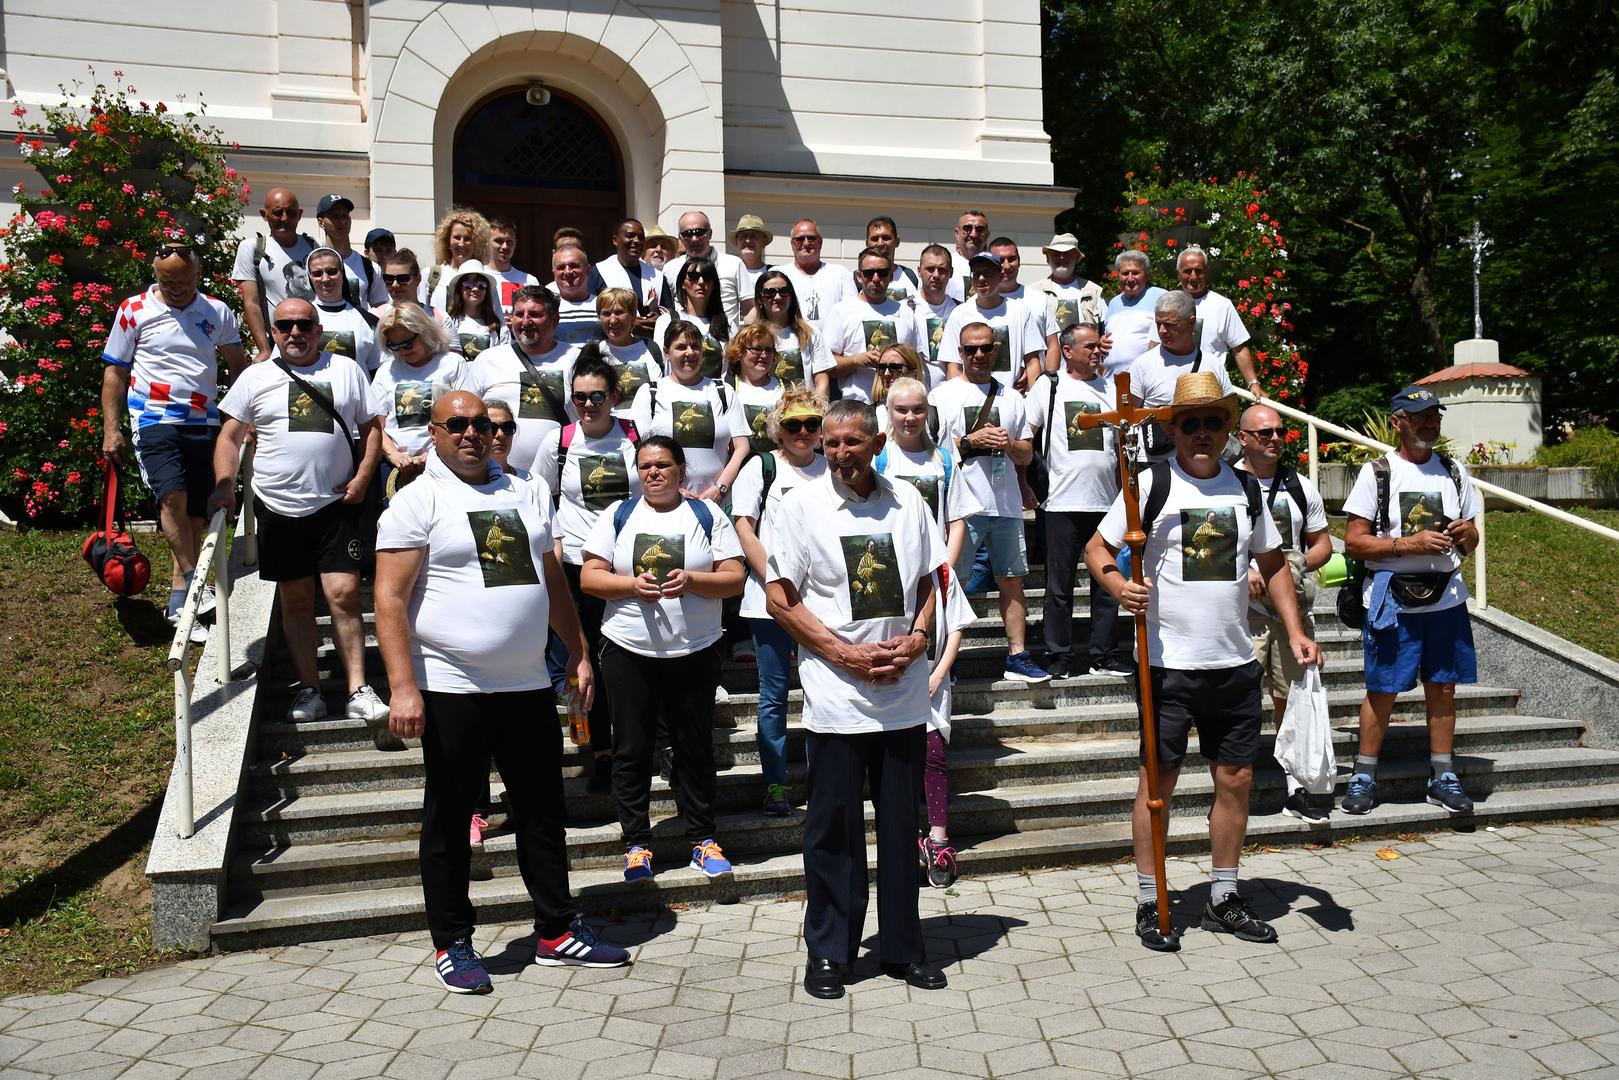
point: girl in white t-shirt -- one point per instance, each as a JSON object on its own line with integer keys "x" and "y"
{"x": 472, "y": 310}
{"x": 664, "y": 564}
{"x": 696, "y": 412}
{"x": 795, "y": 422}
{"x": 751, "y": 360}
{"x": 418, "y": 368}
{"x": 697, "y": 301}
{"x": 896, "y": 362}
{"x": 801, "y": 354}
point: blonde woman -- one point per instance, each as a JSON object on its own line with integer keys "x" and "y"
{"x": 462, "y": 234}
{"x": 894, "y": 363}
{"x": 418, "y": 367}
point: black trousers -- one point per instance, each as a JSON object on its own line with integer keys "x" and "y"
{"x": 591, "y": 611}
{"x": 835, "y": 882}
{"x": 1067, "y": 533}
{"x": 521, "y": 733}
{"x": 681, "y": 688}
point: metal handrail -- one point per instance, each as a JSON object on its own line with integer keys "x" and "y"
{"x": 1314, "y": 425}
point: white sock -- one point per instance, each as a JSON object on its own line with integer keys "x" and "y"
{"x": 1146, "y": 888}
{"x": 1222, "y": 884}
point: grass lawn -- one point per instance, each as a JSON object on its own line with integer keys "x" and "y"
{"x": 86, "y": 743}
{"x": 1555, "y": 575}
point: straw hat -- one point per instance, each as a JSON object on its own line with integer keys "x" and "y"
{"x": 1062, "y": 242}
{"x": 751, "y": 223}
{"x": 1201, "y": 390}
{"x": 656, "y": 235}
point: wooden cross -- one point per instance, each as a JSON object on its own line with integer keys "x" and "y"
{"x": 1130, "y": 419}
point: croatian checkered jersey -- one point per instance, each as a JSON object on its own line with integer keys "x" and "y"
{"x": 174, "y": 377}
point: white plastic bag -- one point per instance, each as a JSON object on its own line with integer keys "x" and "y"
{"x": 1304, "y": 737}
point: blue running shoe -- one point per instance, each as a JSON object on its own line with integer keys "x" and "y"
{"x": 1361, "y": 796}
{"x": 459, "y": 969}
{"x": 637, "y": 865}
{"x": 708, "y": 860}
{"x": 1021, "y": 666}
{"x": 1446, "y": 791}
{"x": 578, "y": 947}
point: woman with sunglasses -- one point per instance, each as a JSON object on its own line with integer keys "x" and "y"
{"x": 461, "y": 234}
{"x": 751, "y": 360}
{"x": 595, "y": 471}
{"x": 664, "y": 563}
{"x": 795, "y": 425}
{"x": 896, "y": 362}
{"x": 472, "y": 310}
{"x": 636, "y": 360}
{"x": 801, "y": 355}
{"x": 695, "y": 411}
{"x": 344, "y": 328}
{"x": 697, "y": 301}
{"x": 419, "y": 368}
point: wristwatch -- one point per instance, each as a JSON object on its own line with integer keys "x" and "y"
{"x": 723, "y": 489}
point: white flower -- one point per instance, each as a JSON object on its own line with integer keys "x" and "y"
{"x": 1281, "y": 253}
{"x": 1259, "y": 226}
{"x": 1214, "y": 253}
{"x": 62, "y": 152}
{"x": 16, "y": 189}
{"x": 26, "y": 149}
{"x": 1214, "y": 217}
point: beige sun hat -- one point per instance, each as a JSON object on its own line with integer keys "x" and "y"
{"x": 656, "y": 235}
{"x": 1063, "y": 241}
{"x": 751, "y": 223}
{"x": 1201, "y": 390}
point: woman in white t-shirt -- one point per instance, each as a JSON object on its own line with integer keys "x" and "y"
{"x": 795, "y": 424}
{"x": 801, "y": 354}
{"x": 893, "y": 363}
{"x": 461, "y": 234}
{"x": 695, "y": 411}
{"x": 419, "y": 368}
{"x": 472, "y": 310}
{"x": 697, "y": 301}
{"x": 664, "y": 564}
{"x": 636, "y": 360}
{"x": 750, "y": 359}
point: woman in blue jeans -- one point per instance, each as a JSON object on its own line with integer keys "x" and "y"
{"x": 795, "y": 424}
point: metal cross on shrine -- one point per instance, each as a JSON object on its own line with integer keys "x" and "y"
{"x": 1479, "y": 243}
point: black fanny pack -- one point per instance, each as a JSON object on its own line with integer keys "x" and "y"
{"x": 1419, "y": 590}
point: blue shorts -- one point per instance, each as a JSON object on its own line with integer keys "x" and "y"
{"x": 1435, "y": 646}
{"x": 1008, "y": 557}
{"x": 178, "y": 457}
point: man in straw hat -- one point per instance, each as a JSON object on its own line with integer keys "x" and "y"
{"x": 1072, "y": 297}
{"x": 750, "y": 238}
{"x": 1203, "y": 521}
{"x": 661, "y": 246}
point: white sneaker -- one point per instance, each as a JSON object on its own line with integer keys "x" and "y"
{"x": 364, "y": 704}
{"x": 199, "y": 630}
{"x": 308, "y": 705}
{"x": 207, "y": 601}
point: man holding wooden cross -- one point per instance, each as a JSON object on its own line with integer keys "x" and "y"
{"x": 1202, "y": 522}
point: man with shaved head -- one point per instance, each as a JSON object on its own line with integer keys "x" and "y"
{"x": 697, "y": 242}
{"x": 466, "y": 570}
{"x": 820, "y": 285}
{"x": 269, "y": 269}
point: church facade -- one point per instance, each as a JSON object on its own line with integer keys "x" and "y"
{"x": 582, "y": 111}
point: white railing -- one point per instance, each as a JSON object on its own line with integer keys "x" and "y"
{"x": 1314, "y": 425}
{"x": 214, "y": 555}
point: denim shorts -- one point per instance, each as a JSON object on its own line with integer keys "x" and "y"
{"x": 1435, "y": 646}
{"x": 1008, "y": 555}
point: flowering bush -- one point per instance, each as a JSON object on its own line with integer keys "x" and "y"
{"x": 121, "y": 176}
{"x": 1247, "y": 255}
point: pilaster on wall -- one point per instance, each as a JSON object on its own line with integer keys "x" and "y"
{"x": 317, "y": 64}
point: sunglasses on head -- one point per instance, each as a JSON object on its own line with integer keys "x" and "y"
{"x": 1191, "y": 425}
{"x": 876, "y": 272}
{"x": 173, "y": 249}
{"x": 978, "y": 350}
{"x": 1266, "y": 432}
{"x": 397, "y": 279}
{"x": 775, "y": 292}
{"x": 593, "y": 397}
{"x": 809, "y": 425}
{"x": 457, "y": 425}
{"x": 287, "y": 326}
{"x": 400, "y": 346}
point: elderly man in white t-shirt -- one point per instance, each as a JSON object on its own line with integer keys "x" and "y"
{"x": 851, "y": 580}
{"x": 1202, "y": 527}
{"x": 466, "y": 572}
{"x": 1223, "y": 334}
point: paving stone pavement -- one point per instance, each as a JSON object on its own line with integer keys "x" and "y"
{"x": 1490, "y": 955}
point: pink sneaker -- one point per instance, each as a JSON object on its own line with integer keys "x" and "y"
{"x": 475, "y": 832}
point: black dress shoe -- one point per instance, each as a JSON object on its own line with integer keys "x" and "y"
{"x": 822, "y": 979}
{"x": 918, "y": 976}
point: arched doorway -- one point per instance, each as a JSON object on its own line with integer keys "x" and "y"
{"x": 542, "y": 167}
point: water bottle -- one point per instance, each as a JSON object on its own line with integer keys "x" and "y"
{"x": 578, "y": 716}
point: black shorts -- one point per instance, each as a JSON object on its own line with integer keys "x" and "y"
{"x": 1222, "y": 703}
{"x": 178, "y": 457}
{"x": 329, "y": 541}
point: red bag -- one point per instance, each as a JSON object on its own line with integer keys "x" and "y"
{"x": 111, "y": 551}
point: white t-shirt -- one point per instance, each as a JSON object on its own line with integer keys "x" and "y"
{"x": 798, "y": 362}
{"x": 1292, "y": 521}
{"x": 1223, "y": 329}
{"x": 991, "y": 478}
{"x": 479, "y": 608}
{"x": 1014, "y": 329}
{"x": 745, "y": 503}
{"x": 647, "y": 286}
{"x": 173, "y": 356}
{"x": 856, "y": 564}
{"x": 471, "y": 337}
{"x": 343, "y": 330}
{"x": 1153, "y": 375}
{"x": 510, "y": 281}
{"x": 750, "y": 411}
{"x": 750, "y": 279}
{"x": 1197, "y": 556}
{"x": 367, "y": 276}
{"x": 713, "y": 347}
{"x": 957, "y": 614}
{"x": 637, "y": 364}
{"x": 501, "y": 375}
{"x": 300, "y": 456}
{"x": 1133, "y": 327}
{"x": 597, "y": 473}
{"x": 947, "y": 499}
{"x": 281, "y": 272}
{"x": 1076, "y": 302}
{"x": 1083, "y": 465}
{"x": 903, "y": 284}
{"x": 697, "y": 417}
{"x": 933, "y": 317}
{"x": 1039, "y": 305}
{"x": 731, "y": 272}
{"x": 855, "y": 326}
{"x": 576, "y": 320}
{"x": 661, "y": 541}
{"x": 1420, "y": 497}
{"x": 405, "y": 395}
{"x": 820, "y": 292}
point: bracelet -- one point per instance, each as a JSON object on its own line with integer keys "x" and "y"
{"x": 1395, "y": 551}
{"x": 917, "y": 630}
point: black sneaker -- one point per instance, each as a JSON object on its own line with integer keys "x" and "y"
{"x": 1057, "y": 667}
{"x": 666, "y": 766}
{"x": 1234, "y": 916}
{"x": 1147, "y": 929}
{"x": 1361, "y": 796}
{"x": 1298, "y": 805}
{"x": 1446, "y": 791}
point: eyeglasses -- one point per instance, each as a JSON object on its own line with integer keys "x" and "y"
{"x": 693, "y": 234}
{"x": 173, "y": 249}
{"x": 1193, "y": 424}
{"x": 762, "y": 350}
{"x": 890, "y": 369}
{"x": 303, "y": 326}
{"x": 1266, "y": 432}
{"x": 872, "y": 272}
{"x": 474, "y": 283}
{"x": 331, "y": 272}
{"x": 400, "y": 346}
{"x": 507, "y": 428}
{"x": 776, "y": 292}
{"x": 457, "y": 425}
{"x": 810, "y": 425}
{"x": 594, "y": 397}
{"x": 397, "y": 279}
{"x": 804, "y": 241}
{"x": 978, "y": 350}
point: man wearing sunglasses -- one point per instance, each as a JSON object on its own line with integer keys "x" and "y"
{"x": 467, "y": 672}
{"x": 820, "y": 285}
{"x": 1023, "y": 346}
{"x": 972, "y": 238}
{"x": 532, "y": 371}
{"x": 1208, "y": 524}
{"x": 697, "y": 242}
{"x": 344, "y": 328}
{"x": 270, "y": 268}
{"x": 865, "y": 324}
{"x": 309, "y": 484}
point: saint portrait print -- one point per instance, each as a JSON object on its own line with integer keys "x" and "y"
{"x": 1209, "y": 544}
{"x": 928, "y": 485}
{"x": 631, "y": 377}
{"x": 935, "y": 335}
{"x": 713, "y": 365}
{"x": 1067, "y": 313}
{"x": 879, "y": 333}
{"x": 875, "y": 591}
{"x": 503, "y": 551}
{"x": 1420, "y": 510}
{"x": 473, "y": 344}
{"x": 340, "y": 342}
{"x": 304, "y": 413}
{"x": 540, "y": 398}
{"x": 603, "y": 479}
{"x": 693, "y": 422}
{"x": 657, "y": 555}
{"x": 758, "y": 417}
{"x": 1003, "y": 349}
{"x": 1281, "y": 512}
{"x": 1078, "y": 437}
{"x": 789, "y": 365}
{"x": 413, "y": 404}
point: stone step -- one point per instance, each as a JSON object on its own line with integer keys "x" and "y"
{"x": 288, "y": 918}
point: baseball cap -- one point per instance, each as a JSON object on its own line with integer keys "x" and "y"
{"x": 377, "y": 234}
{"x": 986, "y": 256}
{"x": 331, "y": 202}
{"x": 1415, "y": 399}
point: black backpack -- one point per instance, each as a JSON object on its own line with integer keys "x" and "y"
{"x": 1159, "y": 495}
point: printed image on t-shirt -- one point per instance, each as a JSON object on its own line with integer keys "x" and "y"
{"x": 713, "y": 358}
{"x": 603, "y": 479}
{"x": 1421, "y": 510}
{"x": 658, "y": 555}
{"x": 473, "y": 344}
{"x": 413, "y": 403}
{"x": 631, "y": 377}
{"x": 759, "y": 427}
{"x": 969, "y": 416}
{"x": 1281, "y": 512}
{"x": 540, "y": 399}
{"x": 1209, "y": 544}
{"x": 879, "y": 333}
{"x": 340, "y": 342}
{"x": 789, "y": 366}
{"x": 1078, "y": 437}
{"x": 503, "y": 551}
{"x": 1067, "y": 313}
{"x": 303, "y": 413}
{"x": 928, "y": 485}
{"x": 1003, "y": 349}
{"x": 935, "y": 335}
{"x": 875, "y": 591}
{"x": 693, "y": 423}
{"x": 896, "y": 293}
